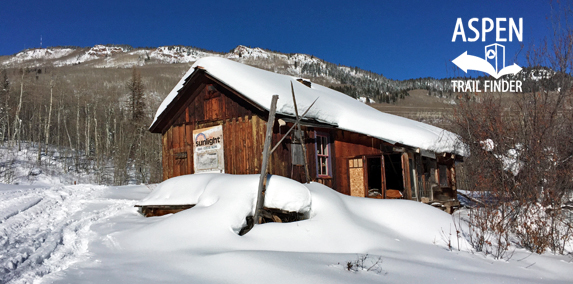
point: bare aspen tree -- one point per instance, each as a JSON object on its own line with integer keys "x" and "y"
{"x": 108, "y": 134}
{"x": 39, "y": 157}
{"x": 58, "y": 135}
{"x": 96, "y": 145}
{"x": 87, "y": 130}
{"x": 5, "y": 91}
{"x": 78, "y": 123}
{"x": 17, "y": 121}
{"x": 68, "y": 134}
{"x": 48, "y": 121}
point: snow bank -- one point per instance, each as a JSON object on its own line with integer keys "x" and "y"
{"x": 203, "y": 189}
{"x": 337, "y": 223}
{"x": 93, "y": 234}
{"x": 332, "y": 107}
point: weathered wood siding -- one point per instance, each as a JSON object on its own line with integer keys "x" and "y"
{"x": 243, "y": 133}
{"x": 350, "y": 145}
{"x": 209, "y": 105}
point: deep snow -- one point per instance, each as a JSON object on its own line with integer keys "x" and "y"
{"x": 93, "y": 234}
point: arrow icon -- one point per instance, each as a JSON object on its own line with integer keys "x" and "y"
{"x": 469, "y": 62}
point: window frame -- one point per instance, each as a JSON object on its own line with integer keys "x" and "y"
{"x": 328, "y": 156}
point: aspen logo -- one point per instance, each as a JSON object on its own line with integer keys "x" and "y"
{"x": 493, "y": 62}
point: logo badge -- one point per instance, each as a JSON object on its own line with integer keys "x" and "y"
{"x": 493, "y": 63}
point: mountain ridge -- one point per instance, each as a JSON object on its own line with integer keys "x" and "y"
{"x": 355, "y": 81}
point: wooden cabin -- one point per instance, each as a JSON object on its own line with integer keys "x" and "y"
{"x": 215, "y": 119}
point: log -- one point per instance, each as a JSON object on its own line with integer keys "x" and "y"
{"x": 266, "y": 155}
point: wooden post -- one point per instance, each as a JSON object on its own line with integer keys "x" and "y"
{"x": 294, "y": 125}
{"x": 299, "y": 135}
{"x": 266, "y": 155}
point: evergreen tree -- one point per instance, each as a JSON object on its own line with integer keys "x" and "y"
{"x": 136, "y": 101}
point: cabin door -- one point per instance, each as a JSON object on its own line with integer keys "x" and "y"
{"x": 356, "y": 176}
{"x": 366, "y": 174}
{"x": 394, "y": 175}
{"x": 375, "y": 183}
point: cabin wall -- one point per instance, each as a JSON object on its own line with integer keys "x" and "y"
{"x": 350, "y": 145}
{"x": 244, "y": 129}
{"x": 210, "y": 105}
{"x": 281, "y": 160}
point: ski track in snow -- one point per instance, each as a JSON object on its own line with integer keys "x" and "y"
{"x": 45, "y": 230}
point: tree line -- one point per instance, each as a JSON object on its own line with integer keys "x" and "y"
{"x": 95, "y": 119}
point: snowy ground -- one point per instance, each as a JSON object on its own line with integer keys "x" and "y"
{"x": 58, "y": 167}
{"x": 93, "y": 234}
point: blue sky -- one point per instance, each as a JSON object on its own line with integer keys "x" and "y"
{"x": 399, "y": 39}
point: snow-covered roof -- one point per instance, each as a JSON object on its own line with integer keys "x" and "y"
{"x": 332, "y": 107}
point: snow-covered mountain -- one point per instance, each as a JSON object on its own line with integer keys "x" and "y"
{"x": 353, "y": 81}
{"x": 362, "y": 83}
{"x": 119, "y": 56}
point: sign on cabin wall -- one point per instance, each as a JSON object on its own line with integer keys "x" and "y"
{"x": 208, "y": 153}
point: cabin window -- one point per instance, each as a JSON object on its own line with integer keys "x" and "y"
{"x": 322, "y": 155}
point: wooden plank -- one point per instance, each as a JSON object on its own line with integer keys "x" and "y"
{"x": 189, "y": 147}
{"x": 240, "y": 146}
{"x": 187, "y": 115}
{"x": 182, "y": 136}
{"x": 196, "y": 115}
{"x": 164, "y": 156}
{"x": 406, "y": 176}
{"x": 169, "y": 153}
{"x": 383, "y": 176}
{"x": 175, "y": 137}
{"x": 217, "y": 108}
{"x": 258, "y": 144}
{"x": 226, "y": 145}
{"x": 222, "y": 106}
{"x": 228, "y": 136}
{"x": 266, "y": 155}
{"x": 234, "y": 146}
{"x": 200, "y": 105}
{"x": 253, "y": 137}
{"x": 183, "y": 166}
{"x": 365, "y": 171}
{"x": 249, "y": 145}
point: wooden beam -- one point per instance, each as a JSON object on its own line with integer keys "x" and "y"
{"x": 299, "y": 135}
{"x": 294, "y": 125}
{"x": 266, "y": 155}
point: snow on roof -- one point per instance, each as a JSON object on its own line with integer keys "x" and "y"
{"x": 332, "y": 107}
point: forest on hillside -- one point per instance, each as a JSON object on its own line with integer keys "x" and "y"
{"x": 93, "y": 119}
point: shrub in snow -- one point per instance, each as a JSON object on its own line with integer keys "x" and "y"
{"x": 366, "y": 263}
{"x": 521, "y": 164}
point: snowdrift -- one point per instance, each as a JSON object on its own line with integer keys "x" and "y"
{"x": 337, "y": 223}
